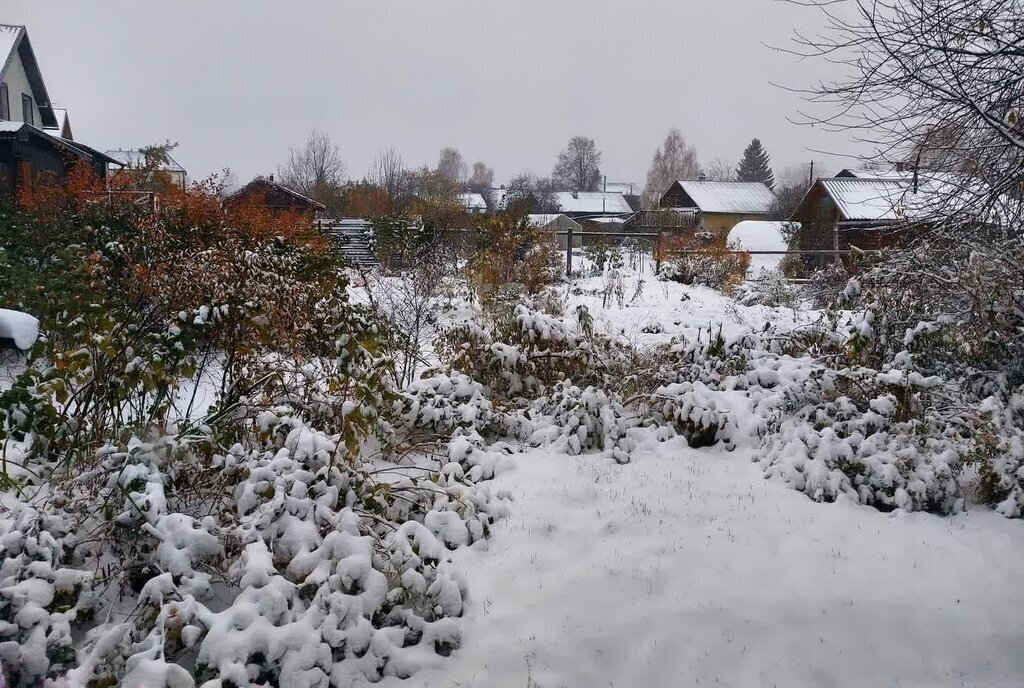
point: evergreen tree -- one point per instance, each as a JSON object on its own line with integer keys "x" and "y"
{"x": 756, "y": 165}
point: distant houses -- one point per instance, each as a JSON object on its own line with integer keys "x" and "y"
{"x": 584, "y": 204}
{"x": 264, "y": 192}
{"x": 472, "y": 203}
{"x": 135, "y": 163}
{"x": 36, "y": 142}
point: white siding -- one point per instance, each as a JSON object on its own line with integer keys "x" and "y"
{"x": 17, "y": 84}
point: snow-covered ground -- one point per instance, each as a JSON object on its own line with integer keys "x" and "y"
{"x": 674, "y": 309}
{"x": 686, "y": 567}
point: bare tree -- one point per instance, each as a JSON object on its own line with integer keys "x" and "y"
{"x": 482, "y": 177}
{"x": 451, "y": 165}
{"x": 930, "y": 78}
{"x": 939, "y": 78}
{"x": 527, "y": 193}
{"x": 673, "y": 160}
{"x": 579, "y": 165}
{"x": 387, "y": 171}
{"x": 315, "y": 170}
{"x": 720, "y": 170}
{"x": 412, "y": 307}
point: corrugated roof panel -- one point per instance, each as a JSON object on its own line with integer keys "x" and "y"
{"x": 729, "y": 197}
{"x": 890, "y": 199}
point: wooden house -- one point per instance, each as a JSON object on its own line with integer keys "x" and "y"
{"x": 36, "y": 144}
{"x": 719, "y": 206}
{"x": 264, "y": 192}
{"x": 840, "y": 213}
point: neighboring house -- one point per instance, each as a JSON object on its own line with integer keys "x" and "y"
{"x": 843, "y": 212}
{"x": 264, "y": 192}
{"x": 63, "y": 128}
{"x": 473, "y": 203}
{"x": 555, "y": 223}
{"x": 583, "y": 204}
{"x": 630, "y": 191}
{"x": 720, "y": 205}
{"x": 130, "y": 162}
{"x": 36, "y": 146}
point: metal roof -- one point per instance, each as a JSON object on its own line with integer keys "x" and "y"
{"x": 882, "y": 199}
{"x": 472, "y": 201}
{"x": 597, "y": 202}
{"x": 545, "y": 219}
{"x": 9, "y": 129}
{"x": 729, "y": 197}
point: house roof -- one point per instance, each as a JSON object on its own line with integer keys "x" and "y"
{"x": 63, "y": 125}
{"x": 888, "y": 172}
{"x": 545, "y": 219}
{"x": 14, "y": 41}
{"x": 729, "y": 197}
{"x": 17, "y": 129}
{"x": 596, "y": 202}
{"x": 263, "y": 181}
{"x": 472, "y": 201}
{"x": 885, "y": 199}
{"x": 136, "y": 158}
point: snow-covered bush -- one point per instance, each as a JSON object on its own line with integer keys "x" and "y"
{"x": 873, "y": 437}
{"x": 691, "y": 410}
{"x": 826, "y": 284}
{"x": 526, "y": 352}
{"x": 586, "y": 419}
{"x": 1000, "y": 459}
{"x": 769, "y": 288}
{"x": 442, "y": 404}
{"x": 705, "y": 260}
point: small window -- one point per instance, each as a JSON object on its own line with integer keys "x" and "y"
{"x": 5, "y": 104}
{"x": 28, "y": 109}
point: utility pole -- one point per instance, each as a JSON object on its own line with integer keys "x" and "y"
{"x": 810, "y": 176}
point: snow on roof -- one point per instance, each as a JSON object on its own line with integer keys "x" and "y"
{"x": 890, "y": 173}
{"x": 11, "y": 126}
{"x": 885, "y": 199}
{"x": 21, "y": 328}
{"x": 545, "y": 219}
{"x": 472, "y": 201}
{"x": 729, "y": 197}
{"x": 598, "y": 202}
{"x": 624, "y": 188}
{"x": 135, "y": 158}
{"x": 760, "y": 235}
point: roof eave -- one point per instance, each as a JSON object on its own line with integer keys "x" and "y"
{"x": 23, "y": 46}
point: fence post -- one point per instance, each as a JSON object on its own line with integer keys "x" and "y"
{"x": 657, "y": 254}
{"x": 568, "y": 253}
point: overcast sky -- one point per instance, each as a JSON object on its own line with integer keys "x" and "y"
{"x": 238, "y": 82}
